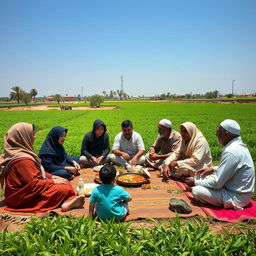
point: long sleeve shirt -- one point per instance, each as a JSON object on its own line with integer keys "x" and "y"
{"x": 169, "y": 145}
{"x": 50, "y": 163}
{"x": 93, "y": 146}
{"x": 236, "y": 170}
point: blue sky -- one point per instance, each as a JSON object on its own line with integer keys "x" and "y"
{"x": 181, "y": 46}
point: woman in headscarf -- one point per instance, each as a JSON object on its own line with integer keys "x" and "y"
{"x": 54, "y": 158}
{"x": 95, "y": 146}
{"x": 193, "y": 154}
{"x": 28, "y": 188}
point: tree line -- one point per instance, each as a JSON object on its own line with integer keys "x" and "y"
{"x": 22, "y": 96}
{"x": 208, "y": 95}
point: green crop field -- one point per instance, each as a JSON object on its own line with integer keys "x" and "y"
{"x": 66, "y": 236}
{"x": 145, "y": 116}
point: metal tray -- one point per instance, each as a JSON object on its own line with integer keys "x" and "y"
{"x": 131, "y": 184}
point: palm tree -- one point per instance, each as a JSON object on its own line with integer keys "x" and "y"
{"x": 16, "y": 94}
{"x": 111, "y": 94}
{"x": 33, "y": 93}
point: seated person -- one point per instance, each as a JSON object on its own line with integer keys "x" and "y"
{"x": 111, "y": 201}
{"x": 167, "y": 142}
{"x": 231, "y": 184}
{"x": 54, "y": 158}
{"x": 193, "y": 154}
{"x": 95, "y": 146}
{"x": 128, "y": 147}
{"x": 28, "y": 188}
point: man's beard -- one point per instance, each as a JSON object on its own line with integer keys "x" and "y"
{"x": 219, "y": 142}
{"x": 162, "y": 135}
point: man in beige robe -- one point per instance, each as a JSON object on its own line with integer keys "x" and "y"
{"x": 166, "y": 143}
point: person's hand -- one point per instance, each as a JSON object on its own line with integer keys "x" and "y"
{"x": 165, "y": 173}
{"x": 59, "y": 180}
{"x": 151, "y": 152}
{"x": 190, "y": 181}
{"x": 133, "y": 161}
{"x": 100, "y": 159}
{"x": 94, "y": 160}
{"x": 154, "y": 156}
{"x": 71, "y": 169}
{"x": 172, "y": 165}
{"x": 126, "y": 156}
{"x": 77, "y": 166}
{"x": 204, "y": 171}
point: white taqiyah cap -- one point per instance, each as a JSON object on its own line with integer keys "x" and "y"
{"x": 166, "y": 123}
{"x": 231, "y": 126}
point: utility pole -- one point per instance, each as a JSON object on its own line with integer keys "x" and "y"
{"x": 122, "y": 83}
{"x": 82, "y": 92}
{"x": 233, "y": 84}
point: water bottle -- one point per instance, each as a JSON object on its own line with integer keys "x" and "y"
{"x": 80, "y": 186}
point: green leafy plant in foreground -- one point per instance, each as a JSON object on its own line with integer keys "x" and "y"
{"x": 66, "y": 236}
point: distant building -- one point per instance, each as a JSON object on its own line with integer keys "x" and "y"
{"x": 64, "y": 98}
{"x": 49, "y": 98}
{"x": 70, "y": 98}
{"x": 180, "y": 96}
{"x": 246, "y": 95}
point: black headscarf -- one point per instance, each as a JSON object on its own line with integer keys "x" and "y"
{"x": 51, "y": 145}
{"x": 96, "y": 124}
{"x": 93, "y": 146}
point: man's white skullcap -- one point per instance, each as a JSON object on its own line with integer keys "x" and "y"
{"x": 231, "y": 126}
{"x": 166, "y": 123}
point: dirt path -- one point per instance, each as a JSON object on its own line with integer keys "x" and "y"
{"x": 45, "y": 107}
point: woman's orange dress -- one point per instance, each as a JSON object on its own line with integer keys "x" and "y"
{"x": 26, "y": 191}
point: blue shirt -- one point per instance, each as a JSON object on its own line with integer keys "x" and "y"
{"x": 109, "y": 201}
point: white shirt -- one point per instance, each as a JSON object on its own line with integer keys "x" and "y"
{"x": 235, "y": 173}
{"x": 131, "y": 146}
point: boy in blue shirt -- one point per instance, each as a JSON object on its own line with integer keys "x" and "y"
{"x": 111, "y": 201}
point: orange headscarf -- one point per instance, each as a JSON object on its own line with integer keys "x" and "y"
{"x": 18, "y": 143}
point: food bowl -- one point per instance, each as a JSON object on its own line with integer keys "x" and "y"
{"x": 134, "y": 168}
{"x": 131, "y": 179}
{"x": 97, "y": 168}
{"x": 86, "y": 189}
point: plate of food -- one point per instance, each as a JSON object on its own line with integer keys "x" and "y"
{"x": 134, "y": 168}
{"x": 86, "y": 189}
{"x": 131, "y": 179}
{"x": 97, "y": 168}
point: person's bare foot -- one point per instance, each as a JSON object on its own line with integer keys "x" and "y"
{"x": 188, "y": 188}
{"x": 76, "y": 202}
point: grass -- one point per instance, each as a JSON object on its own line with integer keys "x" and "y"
{"x": 240, "y": 99}
{"x": 145, "y": 117}
{"x": 66, "y": 236}
{"x": 13, "y": 104}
